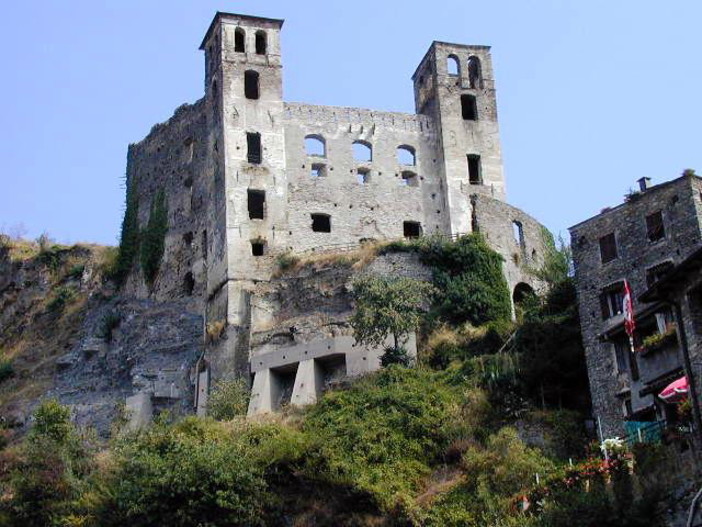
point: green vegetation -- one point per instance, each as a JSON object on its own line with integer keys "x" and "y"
{"x": 129, "y": 237}
{"x": 7, "y": 369}
{"x": 228, "y": 399}
{"x": 153, "y": 238}
{"x": 63, "y": 295}
{"x": 437, "y": 445}
{"x": 387, "y": 306}
{"x": 468, "y": 275}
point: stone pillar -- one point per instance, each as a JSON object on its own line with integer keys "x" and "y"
{"x": 139, "y": 410}
{"x": 203, "y": 390}
{"x": 265, "y": 393}
{"x": 308, "y": 383}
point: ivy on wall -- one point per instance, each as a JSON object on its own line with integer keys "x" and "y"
{"x": 153, "y": 237}
{"x": 129, "y": 237}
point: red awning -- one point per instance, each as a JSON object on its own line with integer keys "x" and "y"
{"x": 676, "y": 391}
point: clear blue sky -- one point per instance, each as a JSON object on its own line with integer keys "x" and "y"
{"x": 592, "y": 95}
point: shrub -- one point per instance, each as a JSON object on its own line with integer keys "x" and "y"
{"x": 193, "y": 473}
{"x": 62, "y": 296}
{"x": 287, "y": 261}
{"x": 7, "y": 369}
{"x": 393, "y": 355}
{"x": 108, "y": 324}
{"x": 75, "y": 272}
{"x": 52, "y": 421}
{"x": 380, "y": 435}
{"x": 228, "y": 399}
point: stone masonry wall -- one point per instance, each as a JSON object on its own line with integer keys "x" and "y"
{"x": 679, "y": 201}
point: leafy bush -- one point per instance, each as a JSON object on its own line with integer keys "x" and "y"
{"x": 108, "y": 324}
{"x": 7, "y": 369}
{"x": 228, "y": 399}
{"x": 52, "y": 421}
{"x": 380, "y": 435}
{"x": 153, "y": 238}
{"x": 62, "y": 296}
{"x": 394, "y": 355}
{"x": 287, "y": 261}
{"x": 75, "y": 272}
{"x": 194, "y": 473}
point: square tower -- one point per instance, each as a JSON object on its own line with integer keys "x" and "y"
{"x": 454, "y": 86}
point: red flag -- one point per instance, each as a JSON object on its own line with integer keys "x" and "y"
{"x": 628, "y": 309}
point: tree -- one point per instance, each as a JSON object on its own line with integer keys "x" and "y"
{"x": 388, "y": 306}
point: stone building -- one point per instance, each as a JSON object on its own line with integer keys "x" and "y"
{"x": 248, "y": 176}
{"x": 639, "y": 241}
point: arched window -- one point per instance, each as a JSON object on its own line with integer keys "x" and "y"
{"x": 315, "y": 145}
{"x": 475, "y": 75}
{"x": 251, "y": 89}
{"x": 406, "y": 155}
{"x": 453, "y": 66}
{"x": 261, "y": 42}
{"x": 362, "y": 151}
{"x": 239, "y": 40}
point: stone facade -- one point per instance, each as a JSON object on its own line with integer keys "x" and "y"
{"x": 249, "y": 176}
{"x": 637, "y": 241}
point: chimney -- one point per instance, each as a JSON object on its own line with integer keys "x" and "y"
{"x": 644, "y": 183}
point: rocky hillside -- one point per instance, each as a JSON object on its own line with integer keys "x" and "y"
{"x": 66, "y": 334}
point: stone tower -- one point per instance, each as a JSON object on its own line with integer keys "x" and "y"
{"x": 454, "y": 86}
{"x": 244, "y": 81}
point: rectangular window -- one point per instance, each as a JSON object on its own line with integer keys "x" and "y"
{"x": 612, "y": 300}
{"x": 655, "y": 273}
{"x": 258, "y": 248}
{"x": 475, "y": 176}
{"x": 469, "y": 109}
{"x": 257, "y": 204}
{"x": 621, "y": 352}
{"x": 321, "y": 223}
{"x": 608, "y": 248}
{"x": 654, "y": 227}
{"x": 318, "y": 170}
{"x": 412, "y": 229}
{"x": 253, "y": 147}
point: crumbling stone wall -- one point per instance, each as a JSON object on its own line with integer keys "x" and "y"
{"x": 679, "y": 201}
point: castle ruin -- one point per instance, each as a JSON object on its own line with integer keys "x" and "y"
{"x": 248, "y": 176}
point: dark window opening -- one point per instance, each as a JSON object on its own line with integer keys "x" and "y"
{"x": 475, "y": 76}
{"x": 518, "y": 233}
{"x": 258, "y": 247}
{"x": 475, "y": 176}
{"x": 188, "y": 284}
{"x": 188, "y": 239}
{"x": 257, "y": 204}
{"x": 253, "y": 147}
{"x": 318, "y": 170}
{"x": 204, "y": 244}
{"x": 406, "y": 156}
{"x": 363, "y": 176}
{"x": 409, "y": 179}
{"x": 655, "y": 273}
{"x": 453, "y": 65}
{"x": 321, "y": 223}
{"x": 362, "y": 151}
{"x": 315, "y": 146}
{"x": 521, "y": 292}
{"x": 239, "y": 40}
{"x": 261, "y": 44}
{"x": 654, "y": 227}
{"x": 412, "y": 229}
{"x": 469, "y": 108}
{"x": 608, "y": 248}
{"x": 612, "y": 300}
{"x": 251, "y": 90}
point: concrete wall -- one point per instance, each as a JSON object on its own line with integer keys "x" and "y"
{"x": 679, "y": 201}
